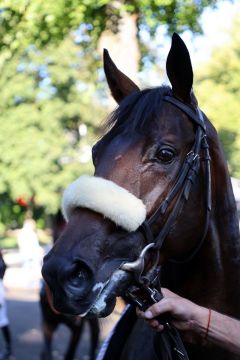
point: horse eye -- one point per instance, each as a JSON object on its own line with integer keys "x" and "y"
{"x": 165, "y": 155}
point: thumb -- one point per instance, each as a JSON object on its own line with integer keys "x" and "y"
{"x": 163, "y": 306}
{"x": 168, "y": 293}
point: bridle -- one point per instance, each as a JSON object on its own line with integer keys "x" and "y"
{"x": 180, "y": 191}
{"x": 140, "y": 280}
{"x": 140, "y": 276}
{"x": 171, "y": 346}
{"x": 183, "y": 183}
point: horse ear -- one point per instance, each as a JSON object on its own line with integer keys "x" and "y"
{"x": 119, "y": 84}
{"x": 179, "y": 69}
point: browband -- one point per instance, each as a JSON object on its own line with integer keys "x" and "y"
{"x": 107, "y": 198}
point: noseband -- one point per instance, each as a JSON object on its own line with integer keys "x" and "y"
{"x": 184, "y": 182}
{"x": 129, "y": 212}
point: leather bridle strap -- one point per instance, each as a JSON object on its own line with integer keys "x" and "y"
{"x": 194, "y": 116}
{"x": 185, "y": 179}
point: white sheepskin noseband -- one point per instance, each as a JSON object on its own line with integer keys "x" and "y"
{"x": 106, "y": 198}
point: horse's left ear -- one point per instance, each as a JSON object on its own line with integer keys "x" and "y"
{"x": 119, "y": 84}
{"x": 179, "y": 69}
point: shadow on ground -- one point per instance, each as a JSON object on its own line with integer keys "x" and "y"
{"x": 22, "y": 293}
{"x": 25, "y": 321}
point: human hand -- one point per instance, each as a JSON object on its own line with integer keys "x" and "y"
{"x": 186, "y": 316}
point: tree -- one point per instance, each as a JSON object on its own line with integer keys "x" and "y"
{"x": 48, "y": 123}
{"x": 47, "y": 63}
{"x": 27, "y": 22}
{"x": 218, "y": 93}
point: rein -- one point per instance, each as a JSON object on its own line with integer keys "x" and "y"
{"x": 183, "y": 184}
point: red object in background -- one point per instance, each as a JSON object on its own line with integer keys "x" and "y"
{"x": 21, "y": 201}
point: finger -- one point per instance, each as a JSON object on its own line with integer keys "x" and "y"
{"x": 160, "y": 328}
{"x": 168, "y": 293}
{"x": 153, "y": 323}
{"x": 163, "y": 306}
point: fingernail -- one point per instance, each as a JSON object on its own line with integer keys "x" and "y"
{"x": 148, "y": 314}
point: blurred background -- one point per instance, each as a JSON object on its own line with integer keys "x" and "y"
{"x": 54, "y": 99}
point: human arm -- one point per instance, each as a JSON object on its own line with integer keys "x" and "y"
{"x": 196, "y": 322}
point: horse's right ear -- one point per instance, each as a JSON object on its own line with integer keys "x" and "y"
{"x": 119, "y": 84}
{"x": 179, "y": 69}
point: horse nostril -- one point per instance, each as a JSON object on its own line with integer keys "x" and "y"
{"x": 80, "y": 276}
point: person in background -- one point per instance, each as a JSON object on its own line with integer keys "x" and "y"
{"x": 28, "y": 244}
{"x": 4, "y": 322}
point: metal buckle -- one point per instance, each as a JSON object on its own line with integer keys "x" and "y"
{"x": 143, "y": 293}
{"x": 147, "y": 297}
{"x": 191, "y": 156}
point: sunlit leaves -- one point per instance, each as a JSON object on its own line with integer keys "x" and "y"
{"x": 41, "y": 109}
{"x": 218, "y": 92}
{"x": 26, "y": 22}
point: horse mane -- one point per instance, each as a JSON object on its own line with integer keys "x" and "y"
{"x": 136, "y": 110}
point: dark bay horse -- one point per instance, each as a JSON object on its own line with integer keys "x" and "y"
{"x": 51, "y": 319}
{"x": 155, "y": 136}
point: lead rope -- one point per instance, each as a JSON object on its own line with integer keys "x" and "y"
{"x": 169, "y": 345}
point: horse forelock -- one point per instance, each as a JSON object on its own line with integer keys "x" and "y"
{"x": 136, "y": 111}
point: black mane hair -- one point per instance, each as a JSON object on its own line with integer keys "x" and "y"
{"x": 136, "y": 110}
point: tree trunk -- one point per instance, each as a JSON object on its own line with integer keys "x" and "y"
{"x": 123, "y": 46}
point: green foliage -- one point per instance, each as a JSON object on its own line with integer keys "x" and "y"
{"x": 47, "y": 88}
{"x": 11, "y": 213}
{"x": 44, "y": 100}
{"x": 218, "y": 93}
{"x": 177, "y": 15}
{"x": 26, "y": 22}
{"x": 8, "y": 242}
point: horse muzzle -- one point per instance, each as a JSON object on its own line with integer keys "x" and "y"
{"x": 106, "y": 299}
{"x": 118, "y": 283}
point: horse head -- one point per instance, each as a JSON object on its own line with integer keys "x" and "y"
{"x": 153, "y": 142}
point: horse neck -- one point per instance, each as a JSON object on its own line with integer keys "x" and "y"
{"x": 223, "y": 242}
{"x": 212, "y": 278}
